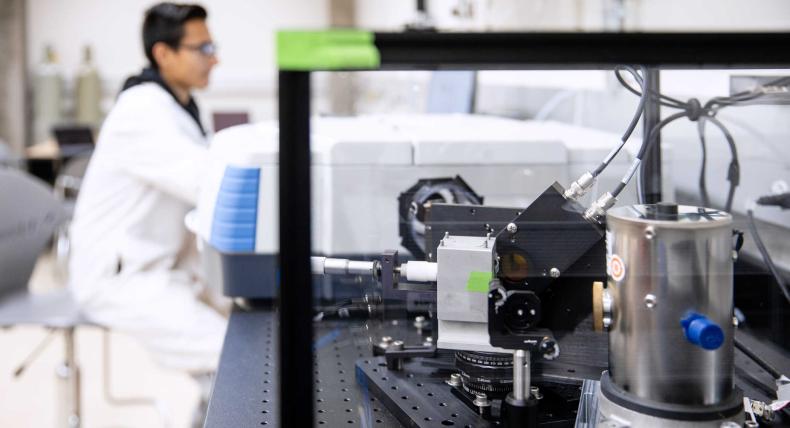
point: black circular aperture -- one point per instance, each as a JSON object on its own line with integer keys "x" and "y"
{"x": 521, "y": 311}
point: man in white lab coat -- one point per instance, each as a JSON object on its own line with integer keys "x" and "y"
{"x": 133, "y": 264}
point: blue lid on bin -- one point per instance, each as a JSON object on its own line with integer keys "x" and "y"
{"x": 234, "y": 223}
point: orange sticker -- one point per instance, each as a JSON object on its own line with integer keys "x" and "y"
{"x": 617, "y": 268}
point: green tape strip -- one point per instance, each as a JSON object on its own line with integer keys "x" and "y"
{"x": 326, "y": 50}
{"x": 478, "y": 282}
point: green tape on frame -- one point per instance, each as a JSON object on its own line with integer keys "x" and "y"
{"x": 478, "y": 282}
{"x": 326, "y": 50}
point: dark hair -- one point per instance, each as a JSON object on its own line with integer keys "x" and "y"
{"x": 164, "y": 23}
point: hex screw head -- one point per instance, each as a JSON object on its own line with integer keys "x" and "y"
{"x": 650, "y": 301}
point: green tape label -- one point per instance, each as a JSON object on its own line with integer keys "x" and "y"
{"x": 326, "y": 50}
{"x": 478, "y": 282}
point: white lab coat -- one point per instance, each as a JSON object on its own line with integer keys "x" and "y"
{"x": 133, "y": 263}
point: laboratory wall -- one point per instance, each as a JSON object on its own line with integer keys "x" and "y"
{"x": 12, "y": 80}
{"x": 584, "y": 15}
{"x": 245, "y": 79}
{"x": 596, "y": 99}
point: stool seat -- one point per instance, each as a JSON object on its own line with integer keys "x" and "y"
{"x": 55, "y": 309}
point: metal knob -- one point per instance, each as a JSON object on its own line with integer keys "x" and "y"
{"x": 597, "y": 306}
{"x": 602, "y": 307}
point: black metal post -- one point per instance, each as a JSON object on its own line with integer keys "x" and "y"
{"x": 651, "y": 163}
{"x": 295, "y": 293}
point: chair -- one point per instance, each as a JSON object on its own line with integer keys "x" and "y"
{"x": 67, "y": 187}
{"x": 30, "y": 215}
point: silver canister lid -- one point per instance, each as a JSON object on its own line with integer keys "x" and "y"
{"x": 666, "y": 213}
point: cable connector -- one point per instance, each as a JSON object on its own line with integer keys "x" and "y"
{"x": 694, "y": 109}
{"x": 773, "y": 89}
{"x": 597, "y": 210}
{"x": 781, "y": 200}
{"x": 579, "y": 187}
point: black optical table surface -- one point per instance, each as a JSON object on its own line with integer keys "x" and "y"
{"x": 245, "y": 388}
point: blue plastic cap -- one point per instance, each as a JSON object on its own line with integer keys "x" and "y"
{"x": 703, "y": 332}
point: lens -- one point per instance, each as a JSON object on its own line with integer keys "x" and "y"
{"x": 208, "y": 49}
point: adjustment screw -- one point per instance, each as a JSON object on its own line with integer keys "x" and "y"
{"x": 481, "y": 400}
{"x": 455, "y": 380}
{"x": 650, "y": 301}
{"x": 548, "y": 347}
{"x": 385, "y": 342}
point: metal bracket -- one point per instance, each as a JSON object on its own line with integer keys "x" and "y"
{"x": 397, "y": 352}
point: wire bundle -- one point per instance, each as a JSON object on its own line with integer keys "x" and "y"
{"x": 767, "y": 257}
{"x": 695, "y": 112}
{"x": 702, "y": 114}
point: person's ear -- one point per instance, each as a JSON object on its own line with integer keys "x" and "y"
{"x": 162, "y": 53}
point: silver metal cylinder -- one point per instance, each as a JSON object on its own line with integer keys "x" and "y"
{"x": 330, "y": 266}
{"x": 667, "y": 265}
{"x": 521, "y": 374}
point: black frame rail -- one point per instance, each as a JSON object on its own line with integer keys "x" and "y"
{"x": 425, "y": 50}
{"x": 432, "y": 50}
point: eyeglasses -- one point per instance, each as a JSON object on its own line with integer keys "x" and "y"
{"x": 206, "y": 49}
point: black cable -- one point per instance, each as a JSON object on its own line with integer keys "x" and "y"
{"x": 652, "y": 136}
{"x": 744, "y": 96}
{"x": 730, "y": 196}
{"x": 734, "y": 169}
{"x": 703, "y": 190}
{"x": 618, "y": 189}
{"x": 645, "y": 95}
{"x": 767, "y": 257}
{"x": 752, "y": 94}
{"x": 664, "y": 100}
{"x": 695, "y": 112}
{"x": 715, "y": 104}
{"x": 645, "y": 146}
{"x": 781, "y": 200}
{"x": 640, "y": 108}
{"x": 638, "y": 113}
{"x": 641, "y": 157}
